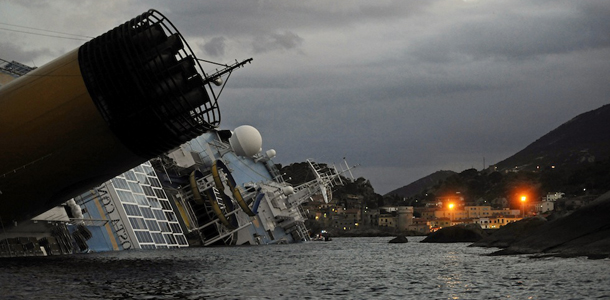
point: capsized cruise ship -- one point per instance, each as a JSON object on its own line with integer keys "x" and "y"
{"x": 119, "y": 148}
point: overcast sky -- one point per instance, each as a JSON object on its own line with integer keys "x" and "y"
{"x": 403, "y": 88}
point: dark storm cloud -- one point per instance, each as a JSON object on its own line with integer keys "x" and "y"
{"x": 248, "y": 18}
{"x": 407, "y": 88}
{"x": 215, "y": 47}
{"x": 284, "y": 41}
{"x": 519, "y": 30}
{"x": 10, "y": 52}
{"x": 404, "y": 88}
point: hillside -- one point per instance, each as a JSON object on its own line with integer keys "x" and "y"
{"x": 585, "y": 138}
{"x": 578, "y": 149}
{"x": 419, "y": 185}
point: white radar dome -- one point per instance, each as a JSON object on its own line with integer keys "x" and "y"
{"x": 246, "y": 141}
{"x": 271, "y": 153}
{"x": 288, "y": 190}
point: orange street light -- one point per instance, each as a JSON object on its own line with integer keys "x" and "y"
{"x": 523, "y": 199}
{"x": 451, "y": 205}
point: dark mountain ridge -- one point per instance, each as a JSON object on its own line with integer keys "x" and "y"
{"x": 577, "y": 148}
{"x": 421, "y": 184}
{"x": 585, "y": 138}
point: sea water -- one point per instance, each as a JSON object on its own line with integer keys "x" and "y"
{"x": 344, "y": 268}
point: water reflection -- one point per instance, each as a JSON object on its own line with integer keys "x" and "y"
{"x": 362, "y": 268}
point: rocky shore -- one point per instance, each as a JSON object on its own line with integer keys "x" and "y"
{"x": 510, "y": 233}
{"x": 584, "y": 232}
{"x": 371, "y": 232}
{"x": 462, "y": 233}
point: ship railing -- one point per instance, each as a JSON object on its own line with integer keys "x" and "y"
{"x": 303, "y": 232}
{"x": 301, "y": 212}
{"x": 224, "y": 235}
{"x": 89, "y": 222}
{"x": 273, "y": 170}
{"x": 216, "y": 221}
{"x": 221, "y": 147}
{"x": 190, "y": 213}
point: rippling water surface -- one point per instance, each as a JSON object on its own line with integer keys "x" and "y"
{"x": 345, "y": 268}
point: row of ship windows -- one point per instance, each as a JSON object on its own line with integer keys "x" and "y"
{"x": 152, "y": 225}
{"x": 128, "y": 197}
{"x": 147, "y": 212}
{"x": 153, "y": 247}
{"x": 158, "y": 238}
{"x": 140, "y": 188}
{"x": 140, "y": 178}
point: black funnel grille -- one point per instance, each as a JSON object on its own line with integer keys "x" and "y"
{"x": 147, "y": 84}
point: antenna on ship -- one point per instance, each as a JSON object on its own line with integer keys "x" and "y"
{"x": 320, "y": 182}
{"x": 216, "y": 78}
{"x": 349, "y": 169}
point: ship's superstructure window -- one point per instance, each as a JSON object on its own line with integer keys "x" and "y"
{"x": 136, "y": 188}
{"x": 131, "y": 210}
{"x": 175, "y": 227}
{"x": 160, "y": 193}
{"x": 148, "y": 169}
{"x": 154, "y": 202}
{"x": 141, "y": 199}
{"x": 147, "y": 212}
{"x": 155, "y": 182}
{"x": 126, "y": 196}
{"x": 120, "y": 183}
{"x": 158, "y": 238}
{"x": 130, "y": 175}
{"x": 170, "y": 216}
{"x": 137, "y": 223}
{"x": 159, "y": 215}
{"x": 165, "y": 227}
{"x": 148, "y": 191}
{"x": 181, "y": 240}
{"x": 144, "y": 237}
{"x": 153, "y": 225}
{"x": 170, "y": 238}
{"x": 165, "y": 204}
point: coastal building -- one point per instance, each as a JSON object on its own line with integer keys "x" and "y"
{"x": 428, "y": 213}
{"x": 484, "y": 215}
{"x": 399, "y": 217}
{"x": 495, "y": 222}
{"x": 404, "y": 217}
{"x": 470, "y": 212}
{"x": 388, "y": 209}
{"x": 551, "y": 197}
{"x": 478, "y": 211}
{"x": 353, "y": 201}
{"x": 352, "y": 214}
{"x": 420, "y": 225}
{"x": 456, "y": 200}
{"x": 451, "y": 214}
{"x": 544, "y": 206}
{"x": 440, "y": 223}
{"x": 387, "y": 220}
{"x": 371, "y": 217}
{"x": 506, "y": 212}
